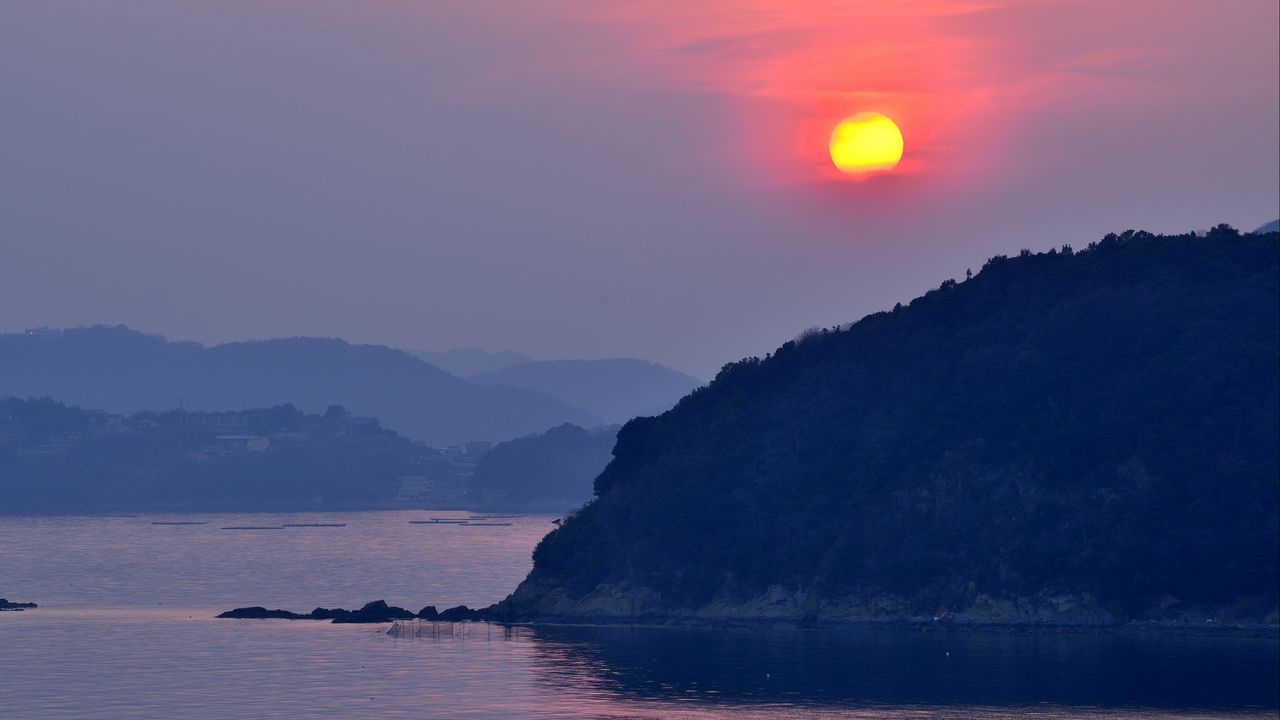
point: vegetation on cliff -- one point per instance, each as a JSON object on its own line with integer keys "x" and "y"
{"x": 1102, "y": 424}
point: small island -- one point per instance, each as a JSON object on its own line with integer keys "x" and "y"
{"x": 15, "y": 606}
{"x": 377, "y": 611}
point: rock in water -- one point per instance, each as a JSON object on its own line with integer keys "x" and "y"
{"x": 461, "y": 613}
{"x": 375, "y": 612}
{"x": 260, "y": 613}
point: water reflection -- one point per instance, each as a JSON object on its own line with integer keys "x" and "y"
{"x": 125, "y": 629}
{"x": 867, "y": 668}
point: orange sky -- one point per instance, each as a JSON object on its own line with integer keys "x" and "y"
{"x": 818, "y": 61}
{"x": 960, "y": 77}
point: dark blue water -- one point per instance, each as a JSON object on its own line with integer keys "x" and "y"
{"x": 125, "y": 629}
{"x": 901, "y": 667}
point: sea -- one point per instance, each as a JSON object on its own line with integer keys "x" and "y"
{"x": 125, "y": 628}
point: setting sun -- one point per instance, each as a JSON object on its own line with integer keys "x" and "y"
{"x": 866, "y": 143}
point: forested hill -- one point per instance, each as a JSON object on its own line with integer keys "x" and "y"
{"x": 56, "y": 458}
{"x": 1067, "y": 437}
{"x": 550, "y": 471}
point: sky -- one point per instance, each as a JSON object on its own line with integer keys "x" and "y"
{"x": 584, "y": 178}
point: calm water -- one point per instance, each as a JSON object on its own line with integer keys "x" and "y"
{"x": 125, "y": 629}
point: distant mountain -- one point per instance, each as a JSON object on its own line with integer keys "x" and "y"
{"x": 1273, "y": 226}
{"x": 56, "y": 458}
{"x": 466, "y": 362}
{"x": 615, "y": 390}
{"x": 1068, "y": 437}
{"x": 120, "y": 370}
{"x": 551, "y": 471}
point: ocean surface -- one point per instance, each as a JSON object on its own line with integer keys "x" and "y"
{"x": 125, "y": 629}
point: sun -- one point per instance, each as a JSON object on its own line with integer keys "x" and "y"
{"x": 865, "y": 144}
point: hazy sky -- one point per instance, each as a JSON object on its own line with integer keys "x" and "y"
{"x": 593, "y": 178}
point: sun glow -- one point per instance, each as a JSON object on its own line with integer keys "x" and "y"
{"x": 865, "y": 144}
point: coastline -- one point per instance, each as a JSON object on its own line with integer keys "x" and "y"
{"x": 1048, "y": 613}
{"x": 1125, "y": 629}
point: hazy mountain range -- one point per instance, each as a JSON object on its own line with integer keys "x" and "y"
{"x": 465, "y": 362}
{"x": 120, "y": 370}
{"x": 613, "y": 389}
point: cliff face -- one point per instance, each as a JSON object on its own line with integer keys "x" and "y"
{"x": 1068, "y": 437}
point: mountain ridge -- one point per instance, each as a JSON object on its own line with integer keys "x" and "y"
{"x": 121, "y": 370}
{"x": 615, "y": 389}
{"x": 465, "y": 362}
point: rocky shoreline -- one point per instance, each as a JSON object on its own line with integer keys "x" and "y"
{"x": 1063, "y": 617}
{"x": 912, "y": 625}
{"x": 1046, "y": 613}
